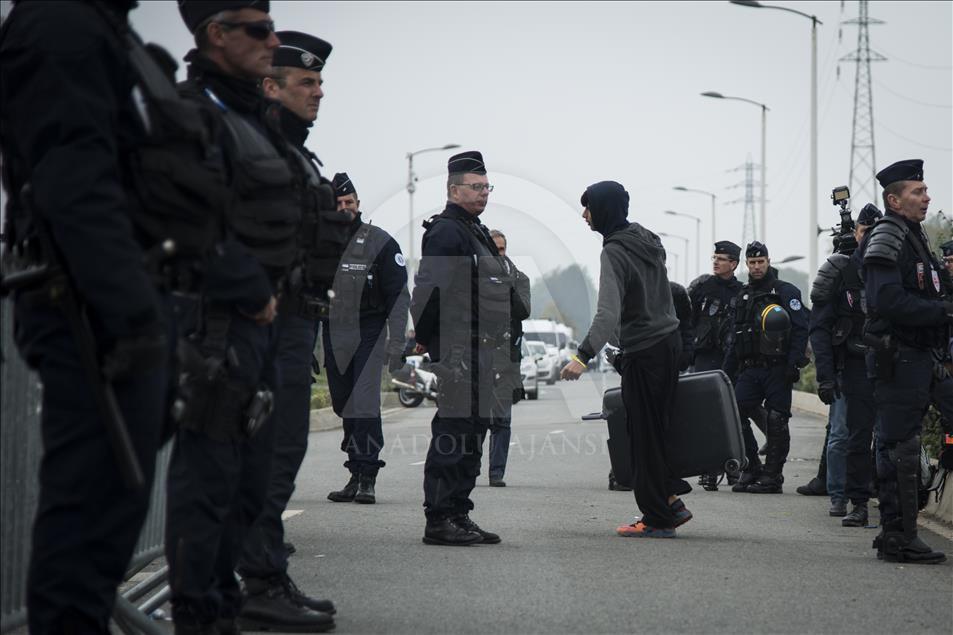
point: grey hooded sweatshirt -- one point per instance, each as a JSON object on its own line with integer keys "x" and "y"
{"x": 635, "y": 306}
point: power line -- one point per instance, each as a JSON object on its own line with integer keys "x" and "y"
{"x": 908, "y": 140}
{"x": 909, "y": 63}
{"x": 915, "y": 101}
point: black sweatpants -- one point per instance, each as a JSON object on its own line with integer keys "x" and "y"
{"x": 649, "y": 378}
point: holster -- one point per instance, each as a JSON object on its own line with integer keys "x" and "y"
{"x": 885, "y": 355}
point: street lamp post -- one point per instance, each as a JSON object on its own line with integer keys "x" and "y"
{"x": 764, "y": 156}
{"x": 812, "y": 221}
{"x": 681, "y": 188}
{"x": 685, "y": 267}
{"x": 411, "y": 188}
{"x": 698, "y": 237}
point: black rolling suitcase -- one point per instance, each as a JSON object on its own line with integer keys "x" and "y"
{"x": 704, "y": 435}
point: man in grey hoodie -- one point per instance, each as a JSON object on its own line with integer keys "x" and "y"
{"x": 635, "y": 309}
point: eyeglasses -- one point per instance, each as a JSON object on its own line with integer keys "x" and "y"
{"x": 260, "y": 30}
{"x": 476, "y": 187}
{"x": 721, "y": 259}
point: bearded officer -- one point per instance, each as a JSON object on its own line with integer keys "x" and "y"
{"x": 768, "y": 340}
{"x": 908, "y": 328}
{"x": 365, "y": 331}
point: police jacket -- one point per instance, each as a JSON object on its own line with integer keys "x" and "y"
{"x": 746, "y": 335}
{"x": 838, "y": 314}
{"x": 713, "y": 301}
{"x": 266, "y": 177}
{"x": 463, "y": 287}
{"x": 683, "y": 311}
{"x": 68, "y": 123}
{"x": 904, "y": 284}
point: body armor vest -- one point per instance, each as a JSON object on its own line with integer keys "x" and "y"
{"x": 851, "y": 308}
{"x": 750, "y": 341}
{"x": 267, "y": 215}
{"x": 714, "y": 319}
{"x": 357, "y": 283}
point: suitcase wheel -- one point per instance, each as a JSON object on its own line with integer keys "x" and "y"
{"x": 733, "y": 465}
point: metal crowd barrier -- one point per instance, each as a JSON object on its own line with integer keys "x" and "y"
{"x": 20, "y": 450}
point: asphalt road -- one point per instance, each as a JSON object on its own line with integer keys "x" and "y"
{"x": 745, "y": 564}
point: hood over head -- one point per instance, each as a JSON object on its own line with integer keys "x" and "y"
{"x": 608, "y": 204}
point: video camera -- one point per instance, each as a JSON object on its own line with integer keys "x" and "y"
{"x": 843, "y": 233}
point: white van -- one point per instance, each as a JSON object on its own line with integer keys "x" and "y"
{"x": 553, "y": 334}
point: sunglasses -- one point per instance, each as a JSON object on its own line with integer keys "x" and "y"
{"x": 260, "y": 30}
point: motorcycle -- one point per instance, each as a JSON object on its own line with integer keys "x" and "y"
{"x": 414, "y": 382}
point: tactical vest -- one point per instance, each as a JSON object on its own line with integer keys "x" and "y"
{"x": 175, "y": 177}
{"x": 266, "y": 216}
{"x": 714, "y": 318}
{"x": 357, "y": 285}
{"x": 921, "y": 275}
{"x": 850, "y": 307}
{"x": 749, "y": 340}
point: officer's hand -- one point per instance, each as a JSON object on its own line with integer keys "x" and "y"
{"x": 793, "y": 374}
{"x": 828, "y": 391}
{"x": 572, "y": 371}
{"x": 267, "y": 314}
{"x": 420, "y": 349}
{"x": 395, "y": 362}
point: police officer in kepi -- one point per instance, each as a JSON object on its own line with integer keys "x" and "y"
{"x": 768, "y": 340}
{"x": 295, "y": 83}
{"x": 713, "y": 298}
{"x": 221, "y": 461}
{"x": 96, "y": 241}
{"x": 365, "y": 331}
{"x": 461, "y": 308}
{"x": 837, "y": 339}
{"x": 908, "y": 327}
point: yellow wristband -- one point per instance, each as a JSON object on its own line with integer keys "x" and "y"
{"x": 576, "y": 359}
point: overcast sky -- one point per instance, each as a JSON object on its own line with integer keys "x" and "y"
{"x": 558, "y": 96}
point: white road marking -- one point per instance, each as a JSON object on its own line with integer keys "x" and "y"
{"x": 514, "y": 443}
{"x": 557, "y": 432}
{"x": 418, "y": 463}
{"x": 290, "y": 513}
{"x": 384, "y": 413}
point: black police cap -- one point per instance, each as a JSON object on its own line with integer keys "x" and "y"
{"x": 194, "y": 12}
{"x": 756, "y": 250}
{"x": 301, "y": 50}
{"x": 342, "y": 184}
{"x": 869, "y": 215}
{"x": 728, "y": 248}
{"x": 466, "y": 162}
{"x": 947, "y": 248}
{"x": 908, "y": 170}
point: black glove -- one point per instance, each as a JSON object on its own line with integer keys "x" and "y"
{"x": 793, "y": 374}
{"x": 828, "y": 391}
{"x": 395, "y": 362}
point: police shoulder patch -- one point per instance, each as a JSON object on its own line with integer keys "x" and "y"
{"x": 795, "y": 304}
{"x": 399, "y": 259}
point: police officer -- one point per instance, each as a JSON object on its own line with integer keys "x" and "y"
{"x": 712, "y": 299}
{"x": 908, "y": 324}
{"x": 947, "y": 250}
{"x": 365, "y": 330}
{"x": 510, "y": 384}
{"x": 836, "y": 333}
{"x": 91, "y": 258}
{"x": 768, "y": 340}
{"x": 683, "y": 311}
{"x": 295, "y": 83}
{"x": 461, "y": 310}
{"x": 218, "y": 476}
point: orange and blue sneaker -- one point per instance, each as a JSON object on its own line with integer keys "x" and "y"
{"x": 641, "y": 530}
{"x": 682, "y": 513}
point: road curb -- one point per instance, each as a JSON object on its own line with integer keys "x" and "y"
{"x": 808, "y": 402}
{"x": 324, "y": 419}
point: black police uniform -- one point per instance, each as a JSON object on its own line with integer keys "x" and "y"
{"x": 908, "y": 327}
{"x": 836, "y": 334}
{"x": 713, "y": 301}
{"x": 683, "y": 311}
{"x": 461, "y": 307}
{"x": 264, "y": 562}
{"x": 218, "y": 475}
{"x": 371, "y": 284}
{"x": 766, "y": 376}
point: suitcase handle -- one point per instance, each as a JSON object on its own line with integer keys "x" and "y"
{"x": 594, "y": 416}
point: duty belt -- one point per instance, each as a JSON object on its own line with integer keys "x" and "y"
{"x": 762, "y": 362}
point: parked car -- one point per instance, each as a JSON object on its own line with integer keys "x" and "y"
{"x": 547, "y": 358}
{"x": 529, "y": 373}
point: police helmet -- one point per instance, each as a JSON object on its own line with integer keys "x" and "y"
{"x": 775, "y": 329}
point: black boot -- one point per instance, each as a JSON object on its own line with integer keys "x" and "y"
{"x": 446, "y": 532}
{"x": 489, "y": 538}
{"x": 767, "y": 483}
{"x": 615, "y": 485}
{"x": 709, "y": 482}
{"x": 814, "y": 487}
{"x": 747, "y": 478}
{"x": 315, "y": 604}
{"x": 268, "y": 606}
{"x": 857, "y": 516}
{"x": 345, "y": 495}
{"x": 365, "y": 490}
{"x": 779, "y": 443}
